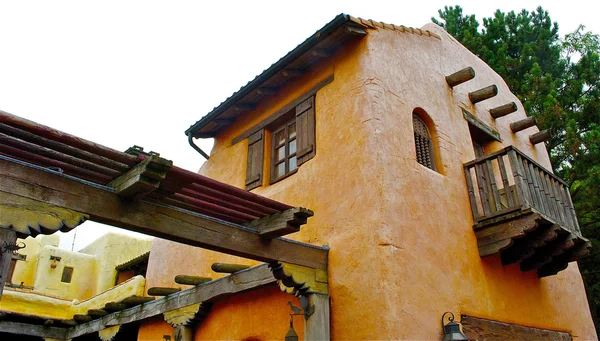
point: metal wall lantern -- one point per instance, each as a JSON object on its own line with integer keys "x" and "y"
{"x": 452, "y": 329}
{"x": 306, "y": 310}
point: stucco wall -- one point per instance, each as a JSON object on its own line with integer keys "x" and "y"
{"x": 402, "y": 246}
{"x": 111, "y": 250}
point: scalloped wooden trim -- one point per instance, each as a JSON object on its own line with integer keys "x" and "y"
{"x": 299, "y": 280}
{"x": 30, "y": 217}
{"x": 109, "y": 333}
{"x": 181, "y": 316}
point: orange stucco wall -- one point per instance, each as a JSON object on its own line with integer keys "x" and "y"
{"x": 402, "y": 246}
{"x": 263, "y": 315}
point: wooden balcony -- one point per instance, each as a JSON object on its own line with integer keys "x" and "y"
{"x": 523, "y": 212}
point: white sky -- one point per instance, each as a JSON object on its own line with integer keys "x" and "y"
{"x": 123, "y": 72}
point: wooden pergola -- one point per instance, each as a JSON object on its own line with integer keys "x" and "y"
{"x": 55, "y": 181}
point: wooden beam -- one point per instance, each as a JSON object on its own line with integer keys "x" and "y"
{"x": 18, "y": 328}
{"x": 522, "y": 124}
{"x": 503, "y": 110}
{"x": 228, "y": 268}
{"x": 460, "y": 76}
{"x": 317, "y": 326}
{"x": 19, "y": 256}
{"x": 323, "y": 53}
{"x": 483, "y": 94}
{"x": 105, "y": 206}
{"x": 282, "y": 223}
{"x": 292, "y": 73}
{"x": 266, "y": 91}
{"x": 209, "y": 292}
{"x": 115, "y": 306}
{"x": 539, "y": 137}
{"x": 162, "y": 291}
{"x": 143, "y": 178}
{"x": 81, "y": 318}
{"x": 191, "y": 280}
{"x": 97, "y": 312}
{"x": 356, "y": 30}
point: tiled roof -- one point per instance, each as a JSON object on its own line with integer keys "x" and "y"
{"x": 377, "y": 24}
{"x": 132, "y": 262}
{"x": 329, "y": 29}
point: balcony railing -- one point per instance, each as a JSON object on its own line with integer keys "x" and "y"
{"x": 508, "y": 180}
{"x": 523, "y": 212}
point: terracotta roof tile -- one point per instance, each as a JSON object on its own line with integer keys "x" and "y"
{"x": 381, "y": 25}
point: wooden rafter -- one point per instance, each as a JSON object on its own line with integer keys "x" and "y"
{"x": 103, "y": 205}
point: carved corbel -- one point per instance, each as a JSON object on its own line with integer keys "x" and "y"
{"x": 109, "y": 333}
{"x": 192, "y": 314}
{"x": 29, "y": 217}
{"x": 299, "y": 280}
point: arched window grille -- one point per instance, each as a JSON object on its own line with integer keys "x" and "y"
{"x": 423, "y": 143}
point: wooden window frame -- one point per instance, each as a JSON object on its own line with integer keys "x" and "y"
{"x": 70, "y": 279}
{"x": 429, "y": 140}
{"x": 290, "y": 120}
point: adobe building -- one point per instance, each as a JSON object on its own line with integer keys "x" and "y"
{"x": 385, "y": 174}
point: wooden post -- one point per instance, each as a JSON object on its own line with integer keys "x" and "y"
{"x": 483, "y": 94}
{"x": 184, "y": 332}
{"x": 503, "y": 110}
{"x": 538, "y": 137}
{"x": 317, "y": 327}
{"x": 9, "y": 237}
{"x": 460, "y": 77}
{"x": 522, "y": 124}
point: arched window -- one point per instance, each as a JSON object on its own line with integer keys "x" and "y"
{"x": 423, "y": 143}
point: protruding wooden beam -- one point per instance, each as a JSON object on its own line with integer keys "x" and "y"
{"x": 267, "y": 91}
{"x": 323, "y": 53}
{"x": 115, "y": 306}
{"x": 142, "y": 179}
{"x": 49, "y": 322}
{"x": 539, "y": 137}
{"x": 82, "y": 318}
{"x": 483, "y": 94}
{"x": 162, "y": 291}
{"x": 292, "y": 73}
{"x": 191, "y": 280}
{"x": 228, "y": 268}
{"x": 95, "y": 313}
{"x": 136, "y": 300}
{"x": 503, "y": 110}
{"x": 244, "y": 106}
{"x": 356, "y": 30}
{"x": 522, "y": 124}
{"x": 282, "y": 223}
{"x": 460, "y": 77}
{"x": 68, "y": 323}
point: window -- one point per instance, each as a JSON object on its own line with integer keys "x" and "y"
{"x": 423, "y": 143}
{"x": 283, "y": 151}
{"x": 292, "y": 142}
{"x": 67, "y": 274}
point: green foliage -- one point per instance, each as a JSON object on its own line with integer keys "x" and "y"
{"x": 558, "y": 82}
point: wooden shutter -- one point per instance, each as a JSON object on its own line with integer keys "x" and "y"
{"x": 305, "y": 127}
{"x": 254, "y": 167}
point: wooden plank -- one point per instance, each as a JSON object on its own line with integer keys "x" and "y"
{"x": 166, "y": 222}
{"x": 481, "y": 126}
{"x": 533, "y": 191}
{"x": 482, "y": 185}
{"x": 18, "y": 328}
{"x": 208, "y": 292}
{"x": 539, "y": 192}
{"x": 493, "y": 186}
{"x": 510, "y": 200}
{"x": 482, "y": 329}
{"x": 281, "y": 223}
{"x": 317, "y": 326}
{"x": 520, "y": 182}
{"x": 143, "y": 178}
{"x": 18, "y": 256}
{"x": 555, "y": 188}
{"x": 472, "y": 197}
{"x": 6, "y": 237}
